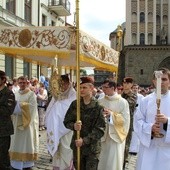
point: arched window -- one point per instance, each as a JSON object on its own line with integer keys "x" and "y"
{"x": 150, "y": 17}
{"x": 165, "y": 19}
{"x": 142, "y": 39}
{"x": 142, "y": 17}
{"x": 134, "y": 17}
{"x": 150, "y": 37}
{"x": 157, "y": 19}
{"x": 157, "y": 39}
{"x": 134, "y": 38}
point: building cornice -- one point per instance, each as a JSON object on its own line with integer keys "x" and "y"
{"x": 146, "y": 47}
{"x": 13, "y": 16}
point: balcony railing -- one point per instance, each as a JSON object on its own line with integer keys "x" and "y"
{"x": 61, "y": 7}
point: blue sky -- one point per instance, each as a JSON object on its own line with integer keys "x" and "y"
{"x": 99, "y": 18}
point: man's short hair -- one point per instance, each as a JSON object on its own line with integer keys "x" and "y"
{"x": 22, "y": 78}
{"x": 128, "y": 80}
{"x": 135, "y": 85}
{"x": 110, "y": 83}
{"x": 164, "y": 71}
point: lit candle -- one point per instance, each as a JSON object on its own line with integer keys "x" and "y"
{"x": 158, "y": 75}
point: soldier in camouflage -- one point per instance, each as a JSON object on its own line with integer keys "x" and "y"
{"x": 131, "y": 97}
{"x": 7, "y": 105}
{"x": 91, "y": 127}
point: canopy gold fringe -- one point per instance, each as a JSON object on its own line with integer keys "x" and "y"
{"x": 24, "y": 54}
{"x": 98, "y": 64}
{"x": 34, "y": 52}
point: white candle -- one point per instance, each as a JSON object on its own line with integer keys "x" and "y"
{"x": 158, "y": 88}
{"x": 158, "y": 75}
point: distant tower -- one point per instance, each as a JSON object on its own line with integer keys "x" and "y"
{"x": 147, "y": 22}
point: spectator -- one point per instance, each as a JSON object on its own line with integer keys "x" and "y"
{"x": 42, "y": 78}
{"x": 46, "y": 83}
{"x": 41, "y": 100}
{"x": 15, "y": 86}
{"x": 9, "y": 85}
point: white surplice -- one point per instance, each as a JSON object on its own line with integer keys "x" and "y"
{"x": 59, "y": 137}
{"x": 113, "y": 141}
{"x": 154, "y": 154}
{"x": 134, "y": 143}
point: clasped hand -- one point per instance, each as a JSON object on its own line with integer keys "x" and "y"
{"x": 106, "y": 112}
{"x": 160, "y": 118}
{"x": 79, "y": 142}
{"x": 77, "y": 125}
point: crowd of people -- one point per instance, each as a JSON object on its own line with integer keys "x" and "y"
{"x": 115, "y": 121}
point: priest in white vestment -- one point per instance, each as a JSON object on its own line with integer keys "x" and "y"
{"x": 59, "y": 137}
{"x": 25, "y": 141}
{"x": 154, "y": 153}
{"x": 116, "y": 110}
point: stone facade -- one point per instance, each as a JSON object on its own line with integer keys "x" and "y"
{"x": 141, "y": 61}
{"x": 147, "y": 40}
{"x": 39, "y": 13}
{"x": 145, "y": 22}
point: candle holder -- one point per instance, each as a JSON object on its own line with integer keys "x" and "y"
{"x": 158, "y": 135}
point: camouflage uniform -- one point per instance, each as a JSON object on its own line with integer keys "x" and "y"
{"x": 93, "y": 124}
{"x": 7, "y": 105}
{"x": 132, "y": 100}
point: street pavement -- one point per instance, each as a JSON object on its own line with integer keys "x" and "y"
{"x": 44, "y": 163}
{"x": 44, "y": 157}
{"x": 132, "y": 163}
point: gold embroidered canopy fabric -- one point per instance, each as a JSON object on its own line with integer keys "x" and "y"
{"x": 41, "y": 45}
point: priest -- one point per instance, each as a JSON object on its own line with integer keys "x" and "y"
{"x": 116, "y": 111}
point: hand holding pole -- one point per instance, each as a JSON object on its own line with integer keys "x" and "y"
{"x": 158, "y": 75}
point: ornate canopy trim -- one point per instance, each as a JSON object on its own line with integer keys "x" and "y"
{"x": 42, "y": 44}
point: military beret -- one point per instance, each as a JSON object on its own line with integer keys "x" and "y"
{"x": 128, "y": 80}
{"x": 86, "y": 80}
{"x": 2, "y": 73}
